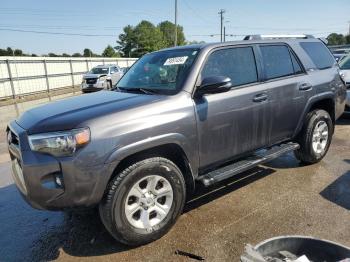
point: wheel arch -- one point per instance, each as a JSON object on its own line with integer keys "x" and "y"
{"x": 172, "y": 151}
{"x": 323, "y": 101}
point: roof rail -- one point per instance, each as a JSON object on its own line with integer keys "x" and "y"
{"x": 262, "y": 37}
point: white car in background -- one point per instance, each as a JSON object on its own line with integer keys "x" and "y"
{"x": 344, "y": 65}
{"x": 101, "y": 77}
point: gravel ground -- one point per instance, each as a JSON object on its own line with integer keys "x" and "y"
{"x": 279, "y": 198}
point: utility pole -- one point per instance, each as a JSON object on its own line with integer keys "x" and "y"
{"x": 175, "y": 36}
{"x": 224, "y": 33}
{"x": 221, "y": 13}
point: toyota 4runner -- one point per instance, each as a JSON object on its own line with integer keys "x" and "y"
{"x": 178, "y": 117}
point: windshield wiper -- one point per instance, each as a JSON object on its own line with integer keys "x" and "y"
{"x": 138, "y": 90}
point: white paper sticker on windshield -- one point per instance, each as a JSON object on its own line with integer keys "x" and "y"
{"x": 176, "y": 60}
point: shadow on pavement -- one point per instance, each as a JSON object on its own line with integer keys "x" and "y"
{"x": 204, "y": 195}
{"x": 344, "y": 120}
{"x": 32, "y": 235}
{"x": 81, "y": 235}
{"x": 339, "y": 191}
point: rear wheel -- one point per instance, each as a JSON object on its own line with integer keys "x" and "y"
{"x": 143, "y": 201}
{"x": 315, "y": 137}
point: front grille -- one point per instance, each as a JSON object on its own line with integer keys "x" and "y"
{"x": 12, "y": 138}
{"x": 91, "y": 81}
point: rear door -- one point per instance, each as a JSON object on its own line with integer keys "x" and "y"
{"x": 289, "y": 89}
{"x": 234, "y": 122}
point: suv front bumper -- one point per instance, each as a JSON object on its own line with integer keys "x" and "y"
{"x": 52, "y": 183}
{"x": 99, "y": 85}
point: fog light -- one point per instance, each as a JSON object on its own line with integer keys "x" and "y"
{"x": 58, "y": 181}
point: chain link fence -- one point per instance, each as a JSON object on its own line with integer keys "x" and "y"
{"x": 21, "y": 76}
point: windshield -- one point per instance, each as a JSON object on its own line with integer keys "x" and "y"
{"x": 99, "y": 70}
{"x": 344, "y": 64}
{"x": 160, "y": 72}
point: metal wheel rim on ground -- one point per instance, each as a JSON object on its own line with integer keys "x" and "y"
{"x": 320, "y": 137}
{"x": 148, "y": 202}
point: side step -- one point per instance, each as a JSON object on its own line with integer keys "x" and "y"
{"x": 260, "y": 157}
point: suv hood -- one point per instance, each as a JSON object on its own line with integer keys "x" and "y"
{"x": 93, "y": 76}
{"x": 70, "y": 113}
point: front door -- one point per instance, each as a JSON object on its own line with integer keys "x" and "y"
{"x": 237, "y": 121}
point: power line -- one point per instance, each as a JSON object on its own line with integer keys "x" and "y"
{"x": 54, "y": 33}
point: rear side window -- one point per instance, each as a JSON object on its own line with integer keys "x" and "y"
{"x": 236, "y": 63}
{"x": 319, "y": 54}
{"x": 277, "y": 61}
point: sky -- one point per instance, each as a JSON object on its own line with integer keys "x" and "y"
{"x": 96, "y": 24}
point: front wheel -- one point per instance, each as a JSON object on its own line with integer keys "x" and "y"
{"x": 109, "y": 85}
{"x": 143, "y": 202}
{"x": 315, "y": 137}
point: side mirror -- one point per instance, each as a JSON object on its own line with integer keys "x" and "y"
{"x": 213, "y": 85}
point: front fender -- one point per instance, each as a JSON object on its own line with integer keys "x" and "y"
{"x": 121, "y": 153}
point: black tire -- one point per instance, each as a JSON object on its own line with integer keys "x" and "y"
{"x": 109, "y": 85}
{"x": 112, "y": 206}
{"x": 306, "y": 154}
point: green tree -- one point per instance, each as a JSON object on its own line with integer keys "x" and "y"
{"x": 76, "y": 55}
{"x": 65, "y": 55}
{"x": 110, "y": 52}
{"x": 141, "y": 39}
{"x": 148, "y": 38}
{"x": 347, "y": 39}
{"x": 336, "y": 39}
{"x": 52, "y": 55}
{"x": 9, "y": 51}
{"x": 168, "y": 30}
{"x": 87, "y": 52}
{"x": 126, "y": 43}
{"x": 18, "y": 52}
{"x": 3, "y": 52}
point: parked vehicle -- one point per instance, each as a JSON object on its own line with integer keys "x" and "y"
{"x": 339, "y": 57}
{"x": 101, "y": 77}
{"x": 344, "y": 65}
{"x": 125, "y": 69}
{"x": 179, "y": 117}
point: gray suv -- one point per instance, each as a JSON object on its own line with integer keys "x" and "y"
{"x": 179, "y": 117}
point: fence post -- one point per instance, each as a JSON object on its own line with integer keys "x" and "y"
{"x": 127, "y": 62}
{"x": 46, "y": 76}
{"x": 72, "y": 73}
{"x": 11, "y": 79}
{"x": 87, "y": 65}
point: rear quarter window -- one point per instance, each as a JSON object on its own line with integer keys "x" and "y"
{"x": 277, "y": 61}
{"x": 319, "y": 54}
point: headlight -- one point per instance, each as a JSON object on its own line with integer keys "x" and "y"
{"x": 102, "y": 78}
{"x": 60, "y": 143}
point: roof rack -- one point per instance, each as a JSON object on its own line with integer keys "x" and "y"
{"x": 262, "y": 37}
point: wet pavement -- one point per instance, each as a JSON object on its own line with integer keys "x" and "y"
{"x": 279, "y": 198}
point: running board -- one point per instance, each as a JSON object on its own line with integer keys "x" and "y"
{"x": 259, "y": 157}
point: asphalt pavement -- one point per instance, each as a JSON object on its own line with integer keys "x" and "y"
{"x": 279, "y": 198}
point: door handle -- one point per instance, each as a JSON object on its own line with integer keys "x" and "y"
{"x": 305, "y": 87}
{"x": 260, "y": 97}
